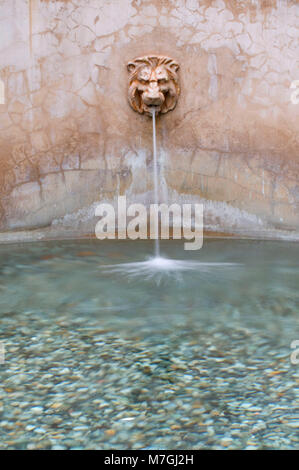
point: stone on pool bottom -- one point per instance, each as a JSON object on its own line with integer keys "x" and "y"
{"x": 102, "y": 360}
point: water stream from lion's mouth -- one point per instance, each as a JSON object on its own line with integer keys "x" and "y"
{"x": 159, "y": 266}
{"x": 156, "y": 194}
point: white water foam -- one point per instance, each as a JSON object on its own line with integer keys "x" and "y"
{"x": 158, "y": 267}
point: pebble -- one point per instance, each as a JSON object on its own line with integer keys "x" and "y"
{"x": 37, "y": 410}
{"x": 293, "y": 424}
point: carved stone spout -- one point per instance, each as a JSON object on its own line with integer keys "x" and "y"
{"x": 153, "y": 84}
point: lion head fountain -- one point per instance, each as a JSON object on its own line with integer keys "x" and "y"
{"x": 153, "y": 84}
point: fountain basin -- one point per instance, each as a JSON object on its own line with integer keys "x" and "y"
{"x": 100, "y": 359}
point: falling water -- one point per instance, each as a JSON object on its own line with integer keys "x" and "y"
{"x": 156, "y": 198}
{"x": 158, "y": 267}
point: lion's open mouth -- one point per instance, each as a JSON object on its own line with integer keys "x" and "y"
{"x": 150, "y": 108}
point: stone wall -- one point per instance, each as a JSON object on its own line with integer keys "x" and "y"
{"x": 69, "y": 138}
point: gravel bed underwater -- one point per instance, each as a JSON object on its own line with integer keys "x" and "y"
{"x": 93, "y": 358}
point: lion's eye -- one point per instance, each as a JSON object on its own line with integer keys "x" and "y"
{"x": 162, "y": 80}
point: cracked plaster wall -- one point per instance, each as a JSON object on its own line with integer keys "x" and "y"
{"x": 68, "y": 137}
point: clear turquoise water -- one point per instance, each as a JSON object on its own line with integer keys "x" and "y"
{"x": 196, "y": 359}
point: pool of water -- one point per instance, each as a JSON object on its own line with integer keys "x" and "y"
{"x": 97, "y": 355}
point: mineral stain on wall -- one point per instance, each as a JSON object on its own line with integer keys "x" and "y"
{"x": 2, "y": 92}
{"x": 69, "y": 138}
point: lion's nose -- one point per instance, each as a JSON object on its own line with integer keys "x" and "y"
{"x": 153, "y": 96}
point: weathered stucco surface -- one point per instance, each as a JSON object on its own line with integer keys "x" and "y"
{"x": 69, "y": 137}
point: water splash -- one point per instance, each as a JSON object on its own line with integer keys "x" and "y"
{"x": 159, "y": 267}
